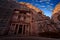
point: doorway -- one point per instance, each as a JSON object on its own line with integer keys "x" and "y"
{"x": 20, "y": 29}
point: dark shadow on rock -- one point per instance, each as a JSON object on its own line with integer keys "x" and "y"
{"x": 49, "y": 35}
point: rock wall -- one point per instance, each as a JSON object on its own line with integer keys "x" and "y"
{"x": 40, "y": 23}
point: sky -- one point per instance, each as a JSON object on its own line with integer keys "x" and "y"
{"x": 46, "y": 6}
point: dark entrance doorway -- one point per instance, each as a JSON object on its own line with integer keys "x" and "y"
{"x": 20, "y": 29}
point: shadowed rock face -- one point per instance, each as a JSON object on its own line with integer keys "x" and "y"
{"x": 50, "y": 34}
{"x": 6, "y": 8}
{"x": 56, "y": 19}
{"x": 20, "y": 19}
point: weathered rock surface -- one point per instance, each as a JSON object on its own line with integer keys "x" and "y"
{"x": 25, "y": 19}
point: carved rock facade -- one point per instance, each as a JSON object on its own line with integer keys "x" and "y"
{"x": 20, "y": 18}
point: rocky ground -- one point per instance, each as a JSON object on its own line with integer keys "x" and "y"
{"x": 42, "y": 36}
{"x": 15, "y": 37}
{"x": 26, "y": 38}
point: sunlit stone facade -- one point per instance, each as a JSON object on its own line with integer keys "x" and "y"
{"x": 24, "y": 19}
